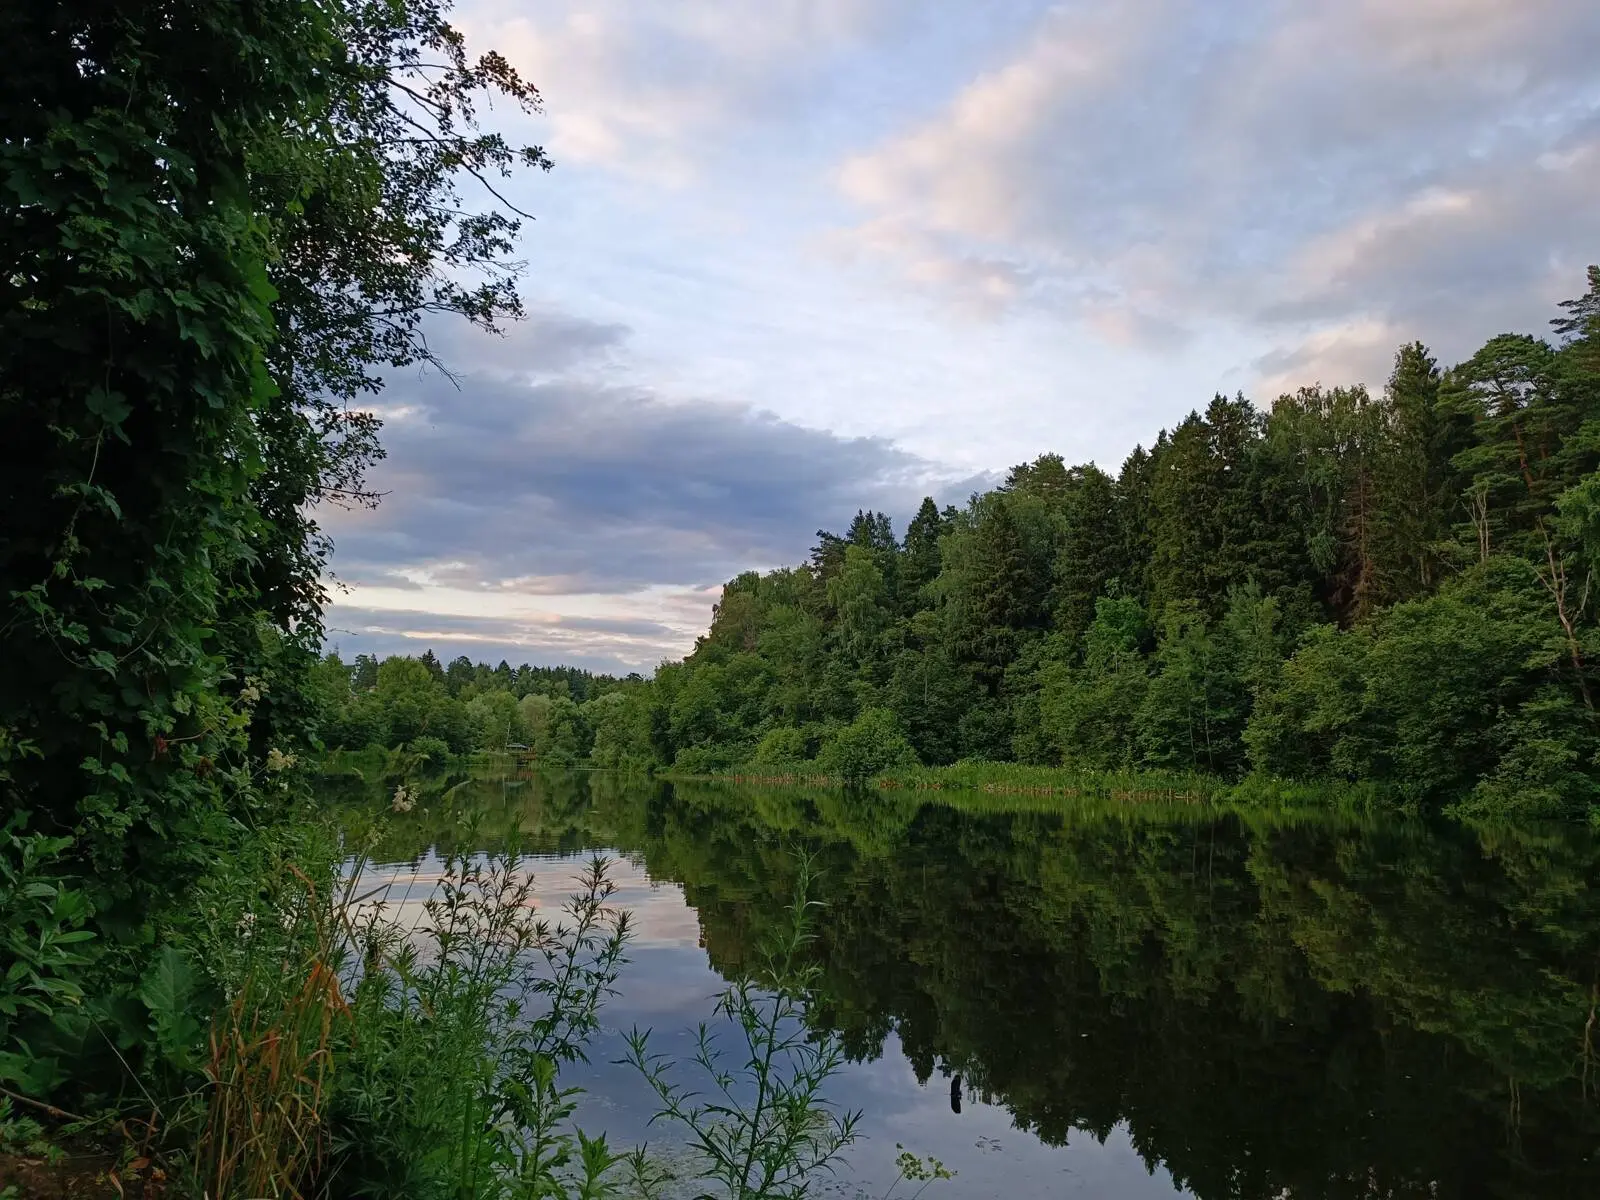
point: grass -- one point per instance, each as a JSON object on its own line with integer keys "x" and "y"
{"x": 1020, "y": 786}
{"x": 271, "y": 1058}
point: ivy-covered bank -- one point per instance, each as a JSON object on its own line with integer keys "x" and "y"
{"x": 220, "y": 224}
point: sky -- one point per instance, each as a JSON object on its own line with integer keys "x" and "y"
{"x": 800, "y": 257}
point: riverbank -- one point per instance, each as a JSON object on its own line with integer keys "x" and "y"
{"x": 1066, "y": 783}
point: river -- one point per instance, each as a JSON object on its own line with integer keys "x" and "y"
{"x": 1086, "y": 999}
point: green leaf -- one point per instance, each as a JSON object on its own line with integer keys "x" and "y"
{"x": 170, "y": 993}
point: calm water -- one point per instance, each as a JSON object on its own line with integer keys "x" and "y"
{"x": 1138, "y": 1003}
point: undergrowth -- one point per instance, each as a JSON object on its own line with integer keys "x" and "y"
{"x": 374, "y": 1046}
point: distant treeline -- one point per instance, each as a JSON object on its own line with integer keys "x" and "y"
{"x": 565, "y": 714}
{"x": 1394, "y": 588}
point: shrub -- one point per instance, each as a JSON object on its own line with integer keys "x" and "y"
{"x": 707, "y": 760}
{"x": 872, "y": 743}
{"x": 786, "y": 744}
{"x": 41, "y": 936}
{"x": 432, "y": 751}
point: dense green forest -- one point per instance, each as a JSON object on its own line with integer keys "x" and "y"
{"x": 1391, "y": 588}
{"x": 563, "y": 714}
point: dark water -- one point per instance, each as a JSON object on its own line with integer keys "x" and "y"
{"x": 1138, "y": 1003}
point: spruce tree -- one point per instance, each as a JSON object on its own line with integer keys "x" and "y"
{"x": 921, "y": 562}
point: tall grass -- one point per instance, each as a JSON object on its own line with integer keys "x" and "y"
{"x": 373, "y": 1047}
{"x": 461, "y": 1028}
{"x": 360, "y": 1053}
{"x": 271, "y": 1054}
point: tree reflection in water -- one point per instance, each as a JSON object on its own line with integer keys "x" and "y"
{"x": 1303, "y": 1005}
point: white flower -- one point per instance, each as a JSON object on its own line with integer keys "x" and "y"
{"x": 277, "y": 760}
{"x": 247, "y": 923}
{"x": 404, "y": 800}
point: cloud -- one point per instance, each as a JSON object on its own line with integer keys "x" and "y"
{"x": 1358, "y": 350}
{"x": 1154, "y": 168}
{"x": 642, "y": 87}
{"x": 573, "y": 486}
{"x": 615, "y": 645}
{"x": 546, "y": 342}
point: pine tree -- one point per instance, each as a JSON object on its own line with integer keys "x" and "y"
{"x": 1091, "y": 550}
{"x": 921, "y": 561}
{"x": 1418, "y": 483}
{"x": 1533, "y": 439}
{"x": 1134, "y": 484}
{"x": 1203, "y": 510}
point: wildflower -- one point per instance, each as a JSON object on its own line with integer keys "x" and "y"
{"x": 404, "y": 800}
{"x": 277, "y": 760}
{"x": 247, "y": 924}
{"x": 252, "y": 691}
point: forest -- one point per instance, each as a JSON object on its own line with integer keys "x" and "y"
{"x": 1390, "y": 588}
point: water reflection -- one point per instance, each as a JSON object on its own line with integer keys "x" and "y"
{"x": 1137, "y": 1002}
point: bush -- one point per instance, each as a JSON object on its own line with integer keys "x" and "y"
{"x": 786, "y": 744}
{"x": 872, "y": 743}
{"x": 708, "y": 760}
{"x": 41, "y": 931}
{"x": 434, "y": 752}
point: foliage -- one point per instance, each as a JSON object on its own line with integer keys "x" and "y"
{"x": 870, "y": 744}
{"x": 914, "y": 1169}
{"x": 460, "y": 1029}
{"x": 133, "y": 381}
{"x": 562, "y": 715}
{"x": 767, "y": 1131}
{"x": 1271, "y": 592}
{"x": 222, "y": 224}
{"x": 43, "y": 942}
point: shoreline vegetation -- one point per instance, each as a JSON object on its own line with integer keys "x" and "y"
{"x": 371, "y": 777}
{"x": 947, "y": 783}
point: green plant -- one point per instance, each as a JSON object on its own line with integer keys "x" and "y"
{"x": 42, "y": 945}
{"x": 915, "y": 1169}
{"x": 767, "y": 1131}
{"x": 22, "y": 1135}
{"x": 871, "y": 743}
{"x": 431, "y": 751}
{"x": 271, "y": 1060}
{"x": 460, "y": 1030}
